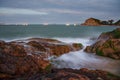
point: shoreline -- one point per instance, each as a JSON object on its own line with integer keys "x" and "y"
{"x": 29, "y": 56}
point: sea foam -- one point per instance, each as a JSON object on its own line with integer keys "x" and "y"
{"x": 81, "y": 59}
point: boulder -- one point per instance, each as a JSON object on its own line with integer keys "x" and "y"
{"x": 115, "y": 34}
{"x": 23, "y": 58}
{"x": 74, "y": 74}
{"x": 108, "y": 45}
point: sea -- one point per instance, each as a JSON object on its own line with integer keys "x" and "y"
{"x": 69, "y": 34}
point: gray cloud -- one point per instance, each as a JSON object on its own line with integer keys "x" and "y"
{"x": 58, "y": 11}
{"x": 15, "y": 11}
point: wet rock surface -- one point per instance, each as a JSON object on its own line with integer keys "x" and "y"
{"x": 72, "y": 74}
{"x": 107, "y": 44}
{"x": 23, "y": 58}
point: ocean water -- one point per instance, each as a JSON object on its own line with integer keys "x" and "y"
{"x": 10, "y": 32}
{"x": 68, "y": 34}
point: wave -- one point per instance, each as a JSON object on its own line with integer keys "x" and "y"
{"x": 81, "y": 59}
{"x": 84, "y": 41}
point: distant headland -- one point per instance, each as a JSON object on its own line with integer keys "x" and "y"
{"x": 97, "y": 22}
{"x": 88, "y": 22}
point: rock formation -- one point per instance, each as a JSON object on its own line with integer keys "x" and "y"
{"x": 91, "y": 22}
{"x": 27, "y": 57}
{"x": 28, "y": 60}
{"x": 72, "y": 74}
{"x": 97, "y": 22}
{"x": 108, "y": 44}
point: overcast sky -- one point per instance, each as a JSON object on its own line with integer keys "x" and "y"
{"x": 57, "y": 11}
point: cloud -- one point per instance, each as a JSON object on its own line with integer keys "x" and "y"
{"x": 60, "y": 11}
{"x": 12, "y": 11}
{"x": 70, "y": 11}
{"x": 57, "y": 11}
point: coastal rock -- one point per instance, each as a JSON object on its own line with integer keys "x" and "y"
{"x": 91, "y": 22}
{"x": 53, "y": 47}
{"x": 73, "y": 74}
{"x": 27, "y": 57}
{"x": 115, "y": 34}
{"x": 108, "y": 45}
{"x": 97, "y": 22}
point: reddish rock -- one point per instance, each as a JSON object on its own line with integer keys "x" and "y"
{"x": 72, "y": 74}
{"x": 52, "y": 46}
{"x": 115, "y": 34}
{"x": 23, "y": 58}
{"x": 77, "y": 46}
{"x": 108, "y": 45}
{"x": 91, "y": 22}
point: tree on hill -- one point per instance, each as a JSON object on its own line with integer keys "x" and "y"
{"x": 117, "y": 23}
{"x": 110, "y": 21}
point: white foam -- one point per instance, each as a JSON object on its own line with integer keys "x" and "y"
{"x": 80, "y": 59}
{"x": 84, "y": 41}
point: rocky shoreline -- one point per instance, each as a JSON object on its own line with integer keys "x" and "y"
{"x": 97, "y": 22}
{"x": 28, "y": 59}
{"x": 107, "y": 44}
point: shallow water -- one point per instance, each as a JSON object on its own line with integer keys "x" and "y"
{"x": 80, "y": 59}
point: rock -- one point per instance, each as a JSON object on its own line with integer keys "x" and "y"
{"x": 72, "y": 74}
{"x": 108, "y": 45}
{"x": 23, "y": 58}
{"x": 115, "y": 34}
{"x": 97, "y": 22}
{"x": 91, "y": 22}
{"x": 77, "y": 46}
{"x": 53, "y": 47}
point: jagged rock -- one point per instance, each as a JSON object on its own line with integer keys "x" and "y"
{"x": 92, "y": 22}
{"x": 108, "y": 44}
{"x": 27, "y": 57}
{"x": 72, "y": 74}
{"x": 115, "y": 34}
{"x": 53, "y": 47}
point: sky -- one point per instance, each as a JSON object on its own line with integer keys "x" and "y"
{"x": 57, "y": 11}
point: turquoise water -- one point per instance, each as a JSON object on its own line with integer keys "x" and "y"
{"x": 9, "y": 32}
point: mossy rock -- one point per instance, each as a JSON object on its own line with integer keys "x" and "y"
{"x": 99, "y": 52}
{"x": 110, "y": 75}
{"x": 116, "y": 33}
{"x": 48, "y": 68}
{"x": 78, "y": 45}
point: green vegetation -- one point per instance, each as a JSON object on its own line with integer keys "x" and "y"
{"x": 110, "y": 75}
{"x": 106, "y": 45}
{"x": 48, "y": 68}
{"x": 99, "y": 52}
{"x": 80, "y": 45}
{"x": 116, "y": 34}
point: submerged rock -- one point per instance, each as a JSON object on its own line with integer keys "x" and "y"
{"x": 108, "y": 44}
{"x": 23, "y": 58}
